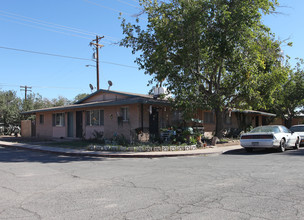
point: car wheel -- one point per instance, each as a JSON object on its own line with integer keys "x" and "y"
{"x": 282, "y": 145}
{"x": 297, "y": 144}
{"x": 249, "y": 150}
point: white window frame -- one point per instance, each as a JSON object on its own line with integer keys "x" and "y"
{"x": 125, "y": 113}
{"x": 98, "y": 114}
{"x": 58, "y": 120}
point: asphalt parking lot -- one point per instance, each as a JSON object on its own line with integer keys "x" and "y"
{"x": 233, "y": 185}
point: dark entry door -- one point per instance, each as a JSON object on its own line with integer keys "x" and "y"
{"x": 257, "y": 121}
{"x": 79, "y": 124}
{"x": 70, "y": 124}
{"x": 153, "y": 121}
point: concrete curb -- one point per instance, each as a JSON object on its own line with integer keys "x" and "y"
{"x": 109, "y": 154}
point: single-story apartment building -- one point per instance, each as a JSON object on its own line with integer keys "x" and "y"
{"x": 120, "y": 113}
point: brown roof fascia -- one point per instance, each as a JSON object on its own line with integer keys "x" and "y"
{"x": 83, "y": 106}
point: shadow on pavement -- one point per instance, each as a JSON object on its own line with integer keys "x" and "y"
{"x": 14, "y": 155}
{"x": 288, "y": 152}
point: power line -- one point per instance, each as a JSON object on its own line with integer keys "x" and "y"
{"x": 35, "y": 21}
{"x": 43, "y": 53}
{"x": 70, "y": 57}
{"x": 45, "y": 23}
{"x": 126, "y": 3}
{"x": 135, "y": 1}
{"x": 47, "y": 29}
{"x": 97, "y": 4}
{"x": 117, "y": 64}
{"x": 43, "y": 87}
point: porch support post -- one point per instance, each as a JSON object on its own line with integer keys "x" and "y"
{"x": 142, "y": 117}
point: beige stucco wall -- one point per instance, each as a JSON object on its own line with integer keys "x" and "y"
{"x": 26, "y": 128}
{"x": 89, "y": 131}
{"x": 59, "y": 131}
{"x": 298, "y": 120}
{"x": 45, "y": 129}
{"x": 210, "y": 127}
{"x": 126, "y": 127}
{"x": 111, "y": 126}
{"x": 295, "y": 121}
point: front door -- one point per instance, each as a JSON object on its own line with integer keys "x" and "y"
{"x": 153, "y": 122}
{"x": 257, "y": 121}
{"x": 70, "y": 124}
{"x": 79, "y": 124}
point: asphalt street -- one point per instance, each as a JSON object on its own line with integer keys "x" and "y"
{"x": 234, "y": 185}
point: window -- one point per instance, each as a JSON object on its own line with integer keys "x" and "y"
{"x": 58, "y": 119}
{"x": 209, "y": 117}
{"x": 125, "y": 114}
{"x": 41, "y": 119}
{"x": 95, "y": 118}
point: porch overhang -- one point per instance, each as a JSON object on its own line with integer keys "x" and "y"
{"x": 101, "y": 104}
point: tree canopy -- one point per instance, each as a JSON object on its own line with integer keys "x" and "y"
{"x": 211, "y": 54}
{"x": 290, "y": 96}
{"x": 10, "y": 106}
{"x": 80, "y": 96}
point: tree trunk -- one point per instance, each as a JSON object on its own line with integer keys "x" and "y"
{"x": 219, "y": 123}
{"x": 288, "y": 121}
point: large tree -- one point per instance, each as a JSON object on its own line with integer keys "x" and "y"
{"x": 290, "y": 97}
{"x": 10, "y": 107}
{"x": 80, "y": 96}
{"x": 211, "y": 53}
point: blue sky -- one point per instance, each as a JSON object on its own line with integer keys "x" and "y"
{"x": 29, "y": 25}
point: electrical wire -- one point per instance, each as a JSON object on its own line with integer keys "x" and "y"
{"x": 44, "y": 87}
{"x": 49, "y": 25}
{"x": 63, "y": 56}
{"x": 43, "y": 53}
{"x": 126, "y": 3}
{"x": 47, "y": 29}
{"x": 117, "y": 64}
{"x": 97, "y": 4}
{"x": 135, "y": 1}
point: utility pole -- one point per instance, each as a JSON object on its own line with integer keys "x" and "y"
{"x": 25, "y": 89}
{"x": 97, "y": 46}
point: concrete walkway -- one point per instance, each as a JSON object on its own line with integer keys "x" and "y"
{"x": 72, "y": 152}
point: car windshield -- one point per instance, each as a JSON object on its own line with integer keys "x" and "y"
{"x": 297, "y": 129}
{"x": 274, "y": 129}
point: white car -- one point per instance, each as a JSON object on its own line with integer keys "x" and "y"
{"x": 300, "y": 130}
{"x": 272, "y": 136}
